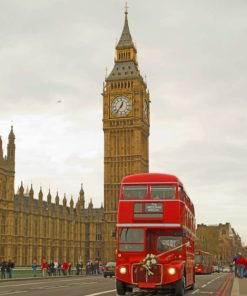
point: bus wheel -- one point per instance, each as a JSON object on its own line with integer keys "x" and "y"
{"x": 129, "y": 289}
{"x": 192, "y": 287}
{"x": 179, "y": 287}
{"x": 121, "y": 289}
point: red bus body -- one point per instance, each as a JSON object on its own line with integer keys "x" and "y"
{"x": 203, "y": 262}
{"x": 155, "y": 234}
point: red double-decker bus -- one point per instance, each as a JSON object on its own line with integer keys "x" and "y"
{"x": 155, "y": 235}
{"x": 203, "y": 262}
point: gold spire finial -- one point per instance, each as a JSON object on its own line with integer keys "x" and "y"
{"x": 126, "y": 8}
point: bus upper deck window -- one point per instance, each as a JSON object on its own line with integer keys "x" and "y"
{"x": 134, "y": 192}
{"x": 163, "y": 192}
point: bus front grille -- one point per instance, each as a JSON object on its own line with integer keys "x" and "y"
{"x": 140, "y": 274}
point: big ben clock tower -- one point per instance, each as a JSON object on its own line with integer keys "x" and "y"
{"x": 126, "y": 128}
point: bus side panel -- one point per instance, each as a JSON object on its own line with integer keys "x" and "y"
{"x": 171, "y": 210}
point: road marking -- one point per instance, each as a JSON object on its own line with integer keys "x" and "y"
{"x": 38, "y": 283}
{"x": 210, "y": 293}
{"x": 11, "y": 292}
{"x": 195, "y": 291}
{"x": 99, "y": 293}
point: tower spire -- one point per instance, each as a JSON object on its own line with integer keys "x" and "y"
{"x": 11, "y": 148}
{"x": 125, "y": 40}
{"x": 126, "y": 8}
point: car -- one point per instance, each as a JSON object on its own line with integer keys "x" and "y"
{"x": 216, "y": 268}
{"x": 109, "y": 269}
{"x": 226, "y": 269}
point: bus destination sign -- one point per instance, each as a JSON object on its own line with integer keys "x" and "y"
{"x": 153, "y": 207}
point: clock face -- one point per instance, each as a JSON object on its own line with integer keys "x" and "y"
{"x": 121, "y": 106}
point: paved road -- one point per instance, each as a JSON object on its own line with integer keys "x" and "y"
{"x": 206, "y": 285}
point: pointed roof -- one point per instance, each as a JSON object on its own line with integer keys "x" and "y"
{"x": 21, "y": 190}
{"x": 11, "y": 134}
{"x": 126, "y": 67}
{"x": 71, "y": 202}
{"x": 57, "y": 199}
{"x": 49, "y": 196}
{"x": 40, "y": 193}
{"x": 125, "y": 40}
{"x": 31, "y": 192}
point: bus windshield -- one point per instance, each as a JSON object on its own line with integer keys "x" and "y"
{"x": 163, "y": 192}
{"x": 135, "y": 192}
{"x": 166, "y": 243}
{"x": 131, "y": 239}
{"x": 198, "y": 259}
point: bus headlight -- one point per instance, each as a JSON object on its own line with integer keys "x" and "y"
{"x": 122, "y": 270}
{"x": 171, "y": 270}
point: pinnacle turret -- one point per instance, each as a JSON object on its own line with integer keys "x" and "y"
{"x": 11, "y": 149}
{"x": 71, "y": 203}
{"x": 31, "y": 192}
{"x": 40, "y": 194}
{"x": 81, "y": 198}
{"x": 21, "y": 190}
{"x": 64, "y": 200}
{"x": 57, "y": 199}
{"x": 49, "y": 197}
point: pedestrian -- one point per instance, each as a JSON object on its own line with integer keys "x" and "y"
{"x": 3, "y": 269}
{"x": 65, "y": 267}
{"x": 9, "y": 268}
{"x": 59, "y": 269}
{"x": 69, "y": 267}
{"x": 55, "y": 267}
{"x": 44, "y": 267}
{"x": 245, "y": 267}
{"x": 234, "y": 258}
{"x": 34, "y": 268}
{"x": 240, "y": 265}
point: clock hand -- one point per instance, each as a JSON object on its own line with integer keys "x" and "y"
{"x": 120, "y": 107}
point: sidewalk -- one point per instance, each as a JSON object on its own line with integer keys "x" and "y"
{"x": 239, "y": 287}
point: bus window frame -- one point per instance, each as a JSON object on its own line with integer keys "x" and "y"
{"x": 175, "y": 239}
{"x": 163, "y": 185}
{"x": 139, "y": 195}
{"x": 125, "y": 246}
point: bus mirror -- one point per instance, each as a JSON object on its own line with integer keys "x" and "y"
{"x": 113, "y": 233}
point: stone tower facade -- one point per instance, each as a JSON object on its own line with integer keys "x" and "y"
{"x": 126, "y": 125}
{"x": 7, "y": 177}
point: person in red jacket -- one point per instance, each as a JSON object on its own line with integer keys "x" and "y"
{"x": 240, "y": 265}
{"x": 65, "y": 267}
{"x": 245, "y": 268}
{"x": 44, "y": 267}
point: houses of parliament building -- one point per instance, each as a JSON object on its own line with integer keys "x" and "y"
{"x": 32, "y": 226}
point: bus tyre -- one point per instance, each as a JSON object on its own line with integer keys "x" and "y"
{"x": 192, "y": 287}
{"x": 121, "y": 289}
{"x": 179, "y": 287}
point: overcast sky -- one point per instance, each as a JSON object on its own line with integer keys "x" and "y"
{"x": 194, "y": 55}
